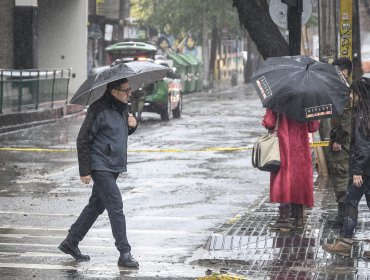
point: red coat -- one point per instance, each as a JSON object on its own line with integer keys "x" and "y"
{"x": 293, "y": 183}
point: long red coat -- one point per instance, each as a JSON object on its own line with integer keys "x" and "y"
{"x": 293, "y": 183}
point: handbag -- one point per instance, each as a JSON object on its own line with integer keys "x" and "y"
{"x": 266, "y": 151}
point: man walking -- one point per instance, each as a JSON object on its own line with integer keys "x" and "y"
{"x": 102, "y": 155}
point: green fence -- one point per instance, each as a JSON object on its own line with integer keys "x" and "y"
{"x": 32, "y": 89}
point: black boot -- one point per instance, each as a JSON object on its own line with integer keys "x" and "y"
{"x": 337, "y": 221}
{"x": 299, "y": 222}
{"x": 293, "y": 211}
{"x": 72, "y": 249}
{"x": 127, "y": 260}
{"x": 283, "y": 221}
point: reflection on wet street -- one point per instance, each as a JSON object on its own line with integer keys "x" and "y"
{"x": 189, "y": 213}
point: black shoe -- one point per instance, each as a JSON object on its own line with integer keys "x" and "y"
{"x": 127, "y": 260}
{"x": 336, "y": 222}
{"x": 69, "y": 249}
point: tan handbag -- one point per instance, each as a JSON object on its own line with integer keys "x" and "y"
{"x": 266, "y": 151}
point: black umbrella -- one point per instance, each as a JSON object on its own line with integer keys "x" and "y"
{"x": 136, "y": 72}
{"x": 302, "y": 88}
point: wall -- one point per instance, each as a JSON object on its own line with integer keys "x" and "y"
{"x": 62, "y": 41}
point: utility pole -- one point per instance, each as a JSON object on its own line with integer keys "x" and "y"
{"x": 345, "y": 28}
{"x": 350, "y": 41}
{"x": 356, "y": 41}
{"x": 121, "y": 19}
{"x": 295, "y": 9}
{"x": 328, "y": 43}
{"x": 328, "y": 51}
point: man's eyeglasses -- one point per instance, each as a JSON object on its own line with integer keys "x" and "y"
{"x": 127, "y": 90}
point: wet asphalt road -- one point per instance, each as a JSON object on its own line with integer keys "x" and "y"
{"x": 173, "y": 201}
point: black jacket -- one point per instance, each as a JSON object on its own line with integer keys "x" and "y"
{"x": 360, "y": 148}
{"x": 102, "y": 140}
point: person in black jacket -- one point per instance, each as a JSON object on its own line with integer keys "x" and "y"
{"x": 338, "y": 151}
{"x": 359, "y": 179}
{"x": 102, "y": 155}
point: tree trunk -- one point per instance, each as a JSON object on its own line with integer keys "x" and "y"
{"x": 212, "y": 58}
{"x": 205, "y": 50}
{"x": 255, "y": 17}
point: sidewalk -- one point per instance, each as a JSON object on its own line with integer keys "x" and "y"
{"x": 246, "y": 248}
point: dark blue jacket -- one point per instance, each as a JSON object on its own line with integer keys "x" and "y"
{"x": 102, "y": 140}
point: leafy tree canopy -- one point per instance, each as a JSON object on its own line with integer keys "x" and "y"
{"x": 187, "y": 16}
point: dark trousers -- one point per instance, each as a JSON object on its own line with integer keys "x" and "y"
{"x": 354, "y": 195}
{"x": 105, "y": 195}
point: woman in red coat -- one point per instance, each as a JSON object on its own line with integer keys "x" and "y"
{"x": 292, "y": 185}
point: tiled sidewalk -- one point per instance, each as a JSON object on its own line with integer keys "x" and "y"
{"x": 247, "y": 247}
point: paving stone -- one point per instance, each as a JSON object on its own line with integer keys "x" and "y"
{"x": 248, "y": 247}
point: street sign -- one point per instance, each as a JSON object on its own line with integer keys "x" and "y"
{"x": 279, "y": 12}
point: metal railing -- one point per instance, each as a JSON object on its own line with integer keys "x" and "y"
{"x": 33, "y": 88}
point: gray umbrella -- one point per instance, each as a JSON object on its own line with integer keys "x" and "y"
{"x": 302, "y": 88}
{"x": 137, "y": 73}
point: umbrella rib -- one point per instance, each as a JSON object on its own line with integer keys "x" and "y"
{"x": 87, "y": 102}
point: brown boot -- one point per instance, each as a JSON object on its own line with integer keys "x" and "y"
{"x": 339, "y": 247}
{"x": 283, "y": 219}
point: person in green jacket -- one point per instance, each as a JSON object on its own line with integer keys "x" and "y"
{"x": 338, "y": 152}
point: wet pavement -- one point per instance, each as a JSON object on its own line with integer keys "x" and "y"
{"x": 248, "y": 247}
{"x": 189, "y": 214}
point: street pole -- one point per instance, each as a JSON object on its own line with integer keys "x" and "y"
{"x": 328, "y": 43}
{"x": 295, "y": 9}
{"x": 356, "y": 42}
{"x": 328, "y": 50}
{"x": 345, "y": 29}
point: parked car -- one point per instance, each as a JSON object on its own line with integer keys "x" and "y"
{"x": 163, "y": 97}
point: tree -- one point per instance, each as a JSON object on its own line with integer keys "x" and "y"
{"x": 203, "y": 19}
{"x": 254, "y": 17}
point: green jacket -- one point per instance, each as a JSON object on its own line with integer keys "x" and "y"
{"x": 340, "y": 133}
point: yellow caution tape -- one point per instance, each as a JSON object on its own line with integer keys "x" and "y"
{"x": 54, "y": 150}
{"x": 224, "y": 149}
{"x": 319, "y": 144}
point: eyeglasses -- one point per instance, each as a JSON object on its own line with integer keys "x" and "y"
{"x": 127, "y": 90}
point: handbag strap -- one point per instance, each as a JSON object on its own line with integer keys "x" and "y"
{"x": 277, "y": 124}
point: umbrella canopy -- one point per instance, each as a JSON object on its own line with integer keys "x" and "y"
{"x": 136, "y": 72}
{"x": 302, "y": 88}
